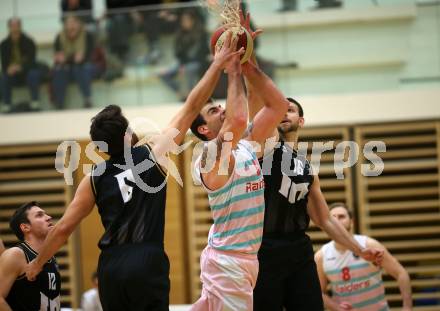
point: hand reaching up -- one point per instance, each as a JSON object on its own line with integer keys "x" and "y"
{"x": 227, "y": 52}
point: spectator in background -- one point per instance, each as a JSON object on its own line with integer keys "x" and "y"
{"x": 119, "y": 26}
{"x": 356, "y": 284}
{"x": 124, "y": 17}
{"x": 18, "y": 53}
{"x": 73, "y": 52}
{"x": 191, "y": 50}
{"x": 288, "y": 5}
{"x": 150, "y": 23}
{"x": 90, "y": 299}
{"x": 81, "y": 8}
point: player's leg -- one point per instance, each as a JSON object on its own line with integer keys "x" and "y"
{"x": 268, "y": 292}
{"x": 203, "y": 303}
{"x": 274, "y": 266}
{"x": 159, "y": 284}
{"x": 303, "y": 291}
{"x": 147, "y": 281}
{"x": 110, "y": 290}
{"x": 227, "y": 281}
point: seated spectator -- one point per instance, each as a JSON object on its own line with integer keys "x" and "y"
{"x": 149, "y": 21}
{"x": 191, "y": 50}
{"x": 119, "y": 28}
{"x": 73, "y": 52}
{"x": 90, "y": 299}
{"x": 158, "y": 22}
{"x": 80, "y": 8}
{"x": 122, "y": 20}
{"x": 288, "y": 5}
{"x": 18, "y": 52}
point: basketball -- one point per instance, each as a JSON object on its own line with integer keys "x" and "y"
{"x": 244, "y": 40}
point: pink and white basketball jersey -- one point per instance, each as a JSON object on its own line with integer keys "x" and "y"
{"x": 238, "y": 207}
{"x": 353, "y": 279}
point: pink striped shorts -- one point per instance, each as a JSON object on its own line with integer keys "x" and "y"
{"x": 228, "y": 280}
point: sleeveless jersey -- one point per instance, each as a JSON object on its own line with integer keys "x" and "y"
{"x": 131, "y": 201}
{"x": 353, "y": 279}
{"x": 288, "y": 178}
{"x": 43, "y": 294}
{"x": 238, "y": 207}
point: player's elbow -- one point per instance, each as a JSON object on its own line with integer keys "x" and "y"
{"x": 403, "y": 276}
{"x": 239, "y": 126}
{"x": 240, "y": 121}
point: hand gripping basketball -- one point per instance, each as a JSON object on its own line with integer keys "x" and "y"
{"x": 244, "y": 41}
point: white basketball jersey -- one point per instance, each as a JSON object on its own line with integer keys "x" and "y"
{"x": 353, "y": 279}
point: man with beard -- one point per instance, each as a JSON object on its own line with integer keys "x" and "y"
{"x": 31, "y": 225}
{"x": 355, "y": 283}
{"x": 288, "y": 277}
{"x": 231, "y": 175}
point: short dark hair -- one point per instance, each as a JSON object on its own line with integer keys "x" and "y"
{"x": 110, "y": 125}
{"x": 341, "y": 204}
{"x": 21, "y": 217}
{"x": 300, "y": 108}
{"x": 198, "y": 121}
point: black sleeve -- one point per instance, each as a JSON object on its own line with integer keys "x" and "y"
{"x": 63, "y": 6}
{"x": 179, "y": 48}
{"x": 90, "y": 45}
{"x": 4, "y": 56}
{"x": 93, "y": 180}
{"x": 203, "y": 50}
{"x": 57, "y": 44}
{"x": 85, "y": 4}
{"x": 31, "y": 53}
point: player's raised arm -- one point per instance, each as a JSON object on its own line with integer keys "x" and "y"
{"x": 267, "y": 105}
{"x": 232, "y": 129}
{"x": 81, "y": 206}
{"x": 255, "y": 102}
{"x": 176, "y": 130}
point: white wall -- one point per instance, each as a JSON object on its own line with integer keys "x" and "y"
{"x": 372, "y": 107}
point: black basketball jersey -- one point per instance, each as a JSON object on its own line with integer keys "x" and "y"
{"x": 131, "y": 198}
{"x": 43, "y": 294}
{"x": 288, "y": 178}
